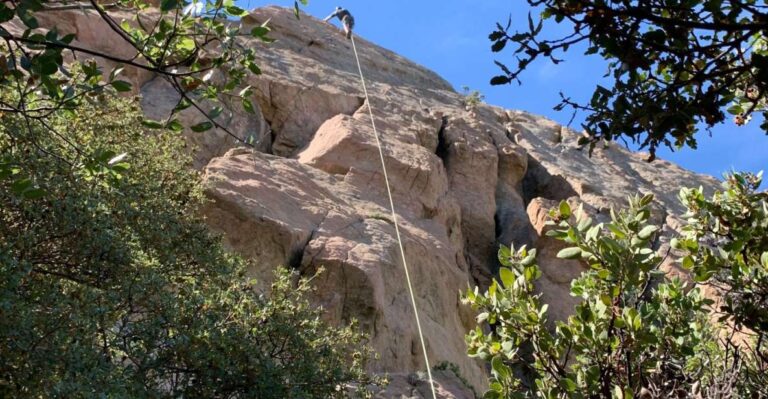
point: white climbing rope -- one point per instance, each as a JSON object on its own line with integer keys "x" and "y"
{"x": 394, "y": 219}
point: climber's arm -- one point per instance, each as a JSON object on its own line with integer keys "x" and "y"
{"x": 328, "y": 18}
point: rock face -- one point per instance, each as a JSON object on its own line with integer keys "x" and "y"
{"x": 464, "y": 181}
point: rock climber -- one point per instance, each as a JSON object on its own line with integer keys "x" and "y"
{"x": 346, "y": 20}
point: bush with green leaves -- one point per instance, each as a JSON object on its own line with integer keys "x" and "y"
{"x": 726, "y": 244}
{"x": 634, "y": 333}
{"x": 727, "y": 240}
{"x": 113, "y": 287}
{"x": 472, "y": 98}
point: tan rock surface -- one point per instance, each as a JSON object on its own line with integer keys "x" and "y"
{"x": 312, "y": 195}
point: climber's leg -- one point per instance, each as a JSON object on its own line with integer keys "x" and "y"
{"x": 348, "y": 23}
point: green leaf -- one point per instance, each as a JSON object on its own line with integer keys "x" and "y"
{"x": 120, "y": 167}
{"x": 91, "y": 69}
{"x": 592, "y": 233}
{"x": 500, "y": 80}
{"x": 558, "y": 234}
{"x": 505, "y": 253}
{"x": 175, "y": 125}
{"x": 498, "y": 46}
{"x": 201, "y": 127}
{"x": 496, "y": 391}
{"x": 568, "y": 384}
{"x": 584, "y": 224}
{"x": 530, "y": 259}
{"x": 259, "y": 31}
{"x": 69, "y": 38}
{"x": 6, "y": 14}
{"x": 647, "y": 231}
{"x": 248, "y": 106}
{"x": 507, "y": 277}
{"x": 215, "y": 112}
{"x": 254, "y": 68}
{"x": 34, "y": 193}
{"x": 45, "y": 65}
{"x": 182, "y": 105}
{"x": 236, "y": 11}
{"x": 735, "y": 109}
{"x": 186, "y": 44}
{"x": 569, "y": 253}
{"x": 121, "y": 86}
{"x": 646, "y": 200}
{"x": 19, "y": 186}
{"x": 531, "y": 273}
{"x": 152, "y": 124}
{"x": 500, "y": 370}
{"x": 26, "y": 17}
{"x": 115, "y": 72}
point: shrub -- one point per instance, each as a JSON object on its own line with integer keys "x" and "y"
{"x": 727, "y": 240}
{"x": 726, "y": 244}
{"x": 112, "y": 286}
{"x": 634, "y": 333}
{"x": 472, "y": 98}
{"x": 621, "y": 338}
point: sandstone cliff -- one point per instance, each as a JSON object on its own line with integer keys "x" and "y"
{"x": 464, "y": 182}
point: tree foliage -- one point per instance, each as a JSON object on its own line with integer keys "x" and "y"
{"x": 634, "y": 333}
{"x": 200, "y": 54}
{"x": 674, "y": 65}
{"x": 113, "y": 287}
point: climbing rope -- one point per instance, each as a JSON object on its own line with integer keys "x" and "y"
{"x": 394, "y": 218}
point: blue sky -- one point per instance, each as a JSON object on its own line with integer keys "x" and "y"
{"x": 451, "y": 38}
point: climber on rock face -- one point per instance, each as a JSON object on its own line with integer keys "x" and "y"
{"x": 346, "y": 19}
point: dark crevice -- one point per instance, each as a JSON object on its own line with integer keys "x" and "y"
{"x": 499, "y": 233}
{"x": 262, "y": 144}
{"x": 513, "y": 224}
{"x": 499, "y": 228}
{"x": 272, "y": 138}
{"x": 294, "y": 262}
{"x": 513, "y": 227}
{"x": 442, "y": 144}
{"x": 296, "y": 258}
{"x": 539, "y": 183}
